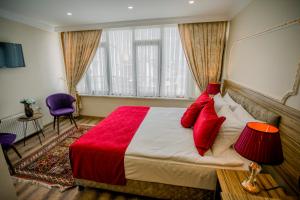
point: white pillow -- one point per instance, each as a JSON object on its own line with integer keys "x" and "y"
{"x": 243, "y": 115}
{"x": 232, "y": 123}
{"x": 223, "y": 142}
{"x": 233, "y": 105}
{"x": 219, "y": 102}
{"x": 229, "y": 132}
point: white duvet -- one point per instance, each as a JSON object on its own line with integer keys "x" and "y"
{"x": 161, "y": 136}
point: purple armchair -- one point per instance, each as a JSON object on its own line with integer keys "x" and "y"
{"x": 6, "y": 141}
{"x": 61, "y": 104}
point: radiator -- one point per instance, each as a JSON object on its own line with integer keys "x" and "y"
{"x": 12, "y": 125}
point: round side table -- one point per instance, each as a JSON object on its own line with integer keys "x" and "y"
{"x": 34, "y": 119}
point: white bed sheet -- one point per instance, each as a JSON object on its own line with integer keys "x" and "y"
{"x": 162, "y": 151}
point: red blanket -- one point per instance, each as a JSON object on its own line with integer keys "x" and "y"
{"x": 99, "y": 154}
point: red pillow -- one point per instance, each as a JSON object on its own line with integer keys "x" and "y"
{"x": 206, "y": 128}
{"x": 190, "y": 115}
{"x": 204, "y": 97}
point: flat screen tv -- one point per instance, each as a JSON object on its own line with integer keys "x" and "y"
{"x": 11, "y": 55}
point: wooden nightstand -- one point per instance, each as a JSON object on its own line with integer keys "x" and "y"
{"x": 229, "y": 186}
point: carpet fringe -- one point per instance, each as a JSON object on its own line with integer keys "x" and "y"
{"x": 40, "y": 183}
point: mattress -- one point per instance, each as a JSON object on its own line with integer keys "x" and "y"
{"x": 162, "y": 151}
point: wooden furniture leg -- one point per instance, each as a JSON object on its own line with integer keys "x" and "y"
{"x": 39, "y": 127}
{"x": 57, "y": 119}
{"x": 37, "y": 130}
{"x": 8, "y": 161}
{"x": 72, "y": 118}
{"x": 17, "y": 152}
{"x": 24, "y": 131}
{"x": 54, "y": 121}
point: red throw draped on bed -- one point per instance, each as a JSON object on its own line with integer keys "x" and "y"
{"x": 99, "y": 154}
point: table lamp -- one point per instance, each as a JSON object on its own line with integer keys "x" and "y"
{"x": 213, "y": 88}
{"x": 260, "y": 143}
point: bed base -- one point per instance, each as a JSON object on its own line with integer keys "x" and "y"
{"x": 150, "y": 189}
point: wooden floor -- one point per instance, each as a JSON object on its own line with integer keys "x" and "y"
{"x": 29, "y": 191}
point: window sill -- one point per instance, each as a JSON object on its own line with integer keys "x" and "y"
{"x": 131, "y": 97}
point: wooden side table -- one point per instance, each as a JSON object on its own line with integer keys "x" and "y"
{"x": 34, "y": 119}
{"x": 227, "y": 196}
{"x": 229, "y": 184}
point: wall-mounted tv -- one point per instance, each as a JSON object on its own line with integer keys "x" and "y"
{"x": 11, "y": 55}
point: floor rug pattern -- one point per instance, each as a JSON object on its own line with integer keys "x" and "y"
{"x": 50, "y": 165}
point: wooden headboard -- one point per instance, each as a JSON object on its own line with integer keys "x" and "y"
{"x": 288, "y": 173}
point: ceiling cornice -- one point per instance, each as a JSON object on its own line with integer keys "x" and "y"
{"x": 144, "y": 22}
{"x": 158, "y": 21}
{"x": 26, "y": 20}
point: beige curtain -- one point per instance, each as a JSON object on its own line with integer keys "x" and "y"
{"x": 79, "y": 48}
{"x": 203, "y": 45}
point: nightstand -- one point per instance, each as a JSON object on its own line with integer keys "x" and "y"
{"x": 229, "y": 186}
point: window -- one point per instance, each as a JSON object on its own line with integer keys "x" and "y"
{"x": 141, "y": 62}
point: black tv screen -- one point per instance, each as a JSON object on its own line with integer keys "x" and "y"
{"x": 11, "y": 55}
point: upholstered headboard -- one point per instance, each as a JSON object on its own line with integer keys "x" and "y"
{"x": 257, "y": 111}
{"x": 286, "y": 118}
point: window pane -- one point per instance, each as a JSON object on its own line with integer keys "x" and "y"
{"x": 175, "y": 73}
{"x": 146, "y": 33}
{"x": 121, "y": 64}
{"x": 139, "y": 61}
{"x": 97, "y": 74}
{"x": 147, "y": 70}
{"x": 95, "y": 80}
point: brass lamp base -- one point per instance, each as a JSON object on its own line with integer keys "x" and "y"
{"x": 250, "y": 184}
{"x": 250, "y": 187}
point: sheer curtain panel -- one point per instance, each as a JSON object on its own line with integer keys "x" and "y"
{"x": 139, "y": 62}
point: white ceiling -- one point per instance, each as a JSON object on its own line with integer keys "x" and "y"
{"x": 52, "y": 14}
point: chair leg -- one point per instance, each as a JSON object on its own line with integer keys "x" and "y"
{"x": 74, "y": 121}
{"x": 17, "y": 152}
{"x": 54, "y": 121}
{"x": 70, "y": 119}
{"x": 57, "y": 119}
{"x": 8, "y": 161}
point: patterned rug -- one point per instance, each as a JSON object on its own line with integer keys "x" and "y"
{"x": 50, "y": 165}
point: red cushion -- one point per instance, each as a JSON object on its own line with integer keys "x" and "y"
{"x": 204, "y": 97}
{"x": 190, "y": 116}
{"x": 206, "y": 128}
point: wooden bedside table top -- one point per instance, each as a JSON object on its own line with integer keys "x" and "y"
{"x": 230, "y": 182}
{"x": 227, "y": 196}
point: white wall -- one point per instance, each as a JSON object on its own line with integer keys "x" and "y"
{"x": 267, "y": 63}
{"x": 44, "y": 71}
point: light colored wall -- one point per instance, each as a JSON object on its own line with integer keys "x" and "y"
{"x": 102, "y": 106}
{"x": 267, "y": 63}
{"x": 44, "y": 71}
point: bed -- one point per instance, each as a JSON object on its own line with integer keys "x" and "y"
{"x": 161, "y": 160}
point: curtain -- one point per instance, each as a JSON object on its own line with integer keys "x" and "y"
{"x": 79, "y": 48}
{"x": 143, "y": 61}
{"x": 203, "y": 45}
